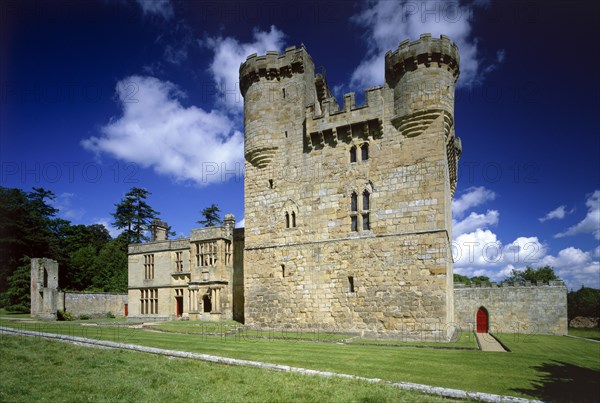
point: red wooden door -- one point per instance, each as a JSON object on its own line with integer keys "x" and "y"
{"x": 126, "y": 309}
{"x": 482, "y": 320}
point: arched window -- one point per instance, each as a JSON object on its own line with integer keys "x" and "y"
{"x": 353, "y": 154}
{"x": 365, "y": 201}
{"x": 287, "y": 219}
{"x": 293, "y": 219}
{"x": 354, "y": 202}
{"x": 364, "y": 151}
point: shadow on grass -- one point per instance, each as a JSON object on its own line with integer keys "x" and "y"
{"x": 564, "y": 382}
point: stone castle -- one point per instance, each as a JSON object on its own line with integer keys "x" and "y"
{"x": 347, "y": 208}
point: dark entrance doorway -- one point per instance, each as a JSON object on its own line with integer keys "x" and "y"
{"x": 126, "y": 309}
{"x": 179, "y": 306}
{"x": 482, "y": 320}
{"x": 206, "y": 303}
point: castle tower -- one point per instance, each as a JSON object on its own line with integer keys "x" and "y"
{"x": 348, "y": 210}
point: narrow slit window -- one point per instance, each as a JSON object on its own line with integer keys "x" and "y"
{"x": 282, "y": 271}
{"x": 293, "y": 219}
{"x": 354, "y": 202}
{"x": 287, "y": 220}
{"x": 283, "y": 92}
{"x": 350, "y": 284}
{"x": 270, "y": 183}
{"x": 364, "y": 150}
{"x": 353, "y": 154}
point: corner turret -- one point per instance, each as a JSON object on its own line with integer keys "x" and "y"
{"x": 276, "y": 89}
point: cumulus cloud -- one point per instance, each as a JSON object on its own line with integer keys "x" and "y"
{"x": 161, "y": 8}
{"x": 387, "y": 23}
{"x": 558, "y": 213}
{"x": 229, "y": 53}
{"x": 576, "y": 267}
{"x": 64, "y": 204}
{"x": 591, "y": 223}
{"x": 475, "y": 221}
{"x": 472, "y": 197}
{"x": 156, "y": 130}
{"x": 241, "y": 223}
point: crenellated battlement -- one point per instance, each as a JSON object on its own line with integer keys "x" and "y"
{"x": 426, "y": 51}
{"x": 328, "y": 123}
{"x": 273, "y": 65}
{"x": 508, "y": 284}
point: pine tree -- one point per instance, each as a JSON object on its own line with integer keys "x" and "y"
{"x": 134, "y": 215}
{"x": 211, "y": 216}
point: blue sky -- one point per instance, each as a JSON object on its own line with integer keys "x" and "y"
{"x": 100, "y": 96}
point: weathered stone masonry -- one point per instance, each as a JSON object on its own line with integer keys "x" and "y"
{"x": 520, "y": 308}
{"x": 347, "y": 212}
{"x": 369, "y": 201}
{"x": 47, "y": 299}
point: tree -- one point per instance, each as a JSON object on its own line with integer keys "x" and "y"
{"x": 211, "y": 216}
{"x": 26, "y": 228}
{"x": 18, "y": 294}
{"x": 459, "y": 278}
{"x": 134, "y": 215}
{"x": 583, "y": 302}
{"x": 541, "y": 274}
{"x": 110, "y": 268}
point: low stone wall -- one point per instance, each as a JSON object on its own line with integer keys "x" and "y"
{"x": 514, "y": 308}
{"x": 96, "y": 304}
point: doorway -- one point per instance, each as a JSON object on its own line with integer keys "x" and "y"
{"x": 482, "y": 320}
{"x": 179, "y": 306}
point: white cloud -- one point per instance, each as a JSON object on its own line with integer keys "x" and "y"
{"x": 241, "y": 223}
{"x": 229, "y": 53}
{"x": 63, "y": 203}
{"x": 387, "y": 23}
{"x": 591, "y": 223}
{"x": 156, "y": 130}
{"x": 472, "y": 197}
{"x": 475, "y": 221}
{"x": 558, "y": 213}
{"x": 162, "y": 8}
{"x": 576, "y": 267}
{"x": 114, "y": 232}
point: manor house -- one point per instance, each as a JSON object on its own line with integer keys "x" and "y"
{"x": 347, "y": 207}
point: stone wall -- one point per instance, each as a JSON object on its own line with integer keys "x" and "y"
{"x": 518, "y": 308}
{"x": 310, "y": 258}
{"x": 44, "y": 288}
{"x": 95, "y": 305}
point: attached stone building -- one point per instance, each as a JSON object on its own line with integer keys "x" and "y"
{"x": 190, "y": 277}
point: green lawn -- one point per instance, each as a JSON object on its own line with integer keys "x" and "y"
{"x": 537, "y": 364}
{"x": 35, "y": 370}
{"x": 593, "y": 333}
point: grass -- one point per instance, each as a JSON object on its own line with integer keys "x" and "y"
{"x": 7, "y": 315}
{"x": 536, "y": 363}
{"x": 593, "y": 333}
{"x": 41, "y": 370}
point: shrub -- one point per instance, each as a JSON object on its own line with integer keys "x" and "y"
{"x": 64, "y": 316}
{"x": 110, "y": 315}
{"x": 83, "y": 316}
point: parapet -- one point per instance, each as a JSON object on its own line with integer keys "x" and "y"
{"x": 508, "y": 284}
{"x": 335, "y": 124}
{"x": 426, "y": 50}
{"x": 273, "y": 65}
